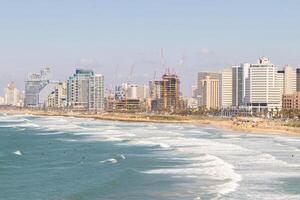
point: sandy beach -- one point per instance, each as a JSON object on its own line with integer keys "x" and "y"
{"x": 253, "y": 125}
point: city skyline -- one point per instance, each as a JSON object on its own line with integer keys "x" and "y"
{"x": 111, "y": 37}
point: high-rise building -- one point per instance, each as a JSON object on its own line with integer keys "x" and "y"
{"x": 78, "y": 88}
{"x": 239, "y": 75}
{"x": 225, "y": 88}
{"x": 154, "y": 90}
{"x": 298, "y": 79}
{"x": 34, "y": 84}
{"x": 210, "y": 92}
{"x": 170, "y": 92}
{"x": 201, "y": 77}
{"x": 85, "y": 91}
{"x": 12, "y": 96}
{"x": 263, "y": 88}
{"x": 96, "y": 93}
{"x": 287, "y": 80}
{"x": 280, "y": 79}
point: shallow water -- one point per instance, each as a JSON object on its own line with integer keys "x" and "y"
{"x": 70, "y": 158}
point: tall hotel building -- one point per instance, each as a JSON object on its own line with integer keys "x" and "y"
{"x": 202, "y": 88}
{"x": 263, "y": 87}
{"x": 85, "y": 91}
{"x": 225, "y": 88}
{"x": 96, "y": 92}
{"x": 209, "y": 89}
{"x": 287, "y": 80}
{"x": 239, "y": 75}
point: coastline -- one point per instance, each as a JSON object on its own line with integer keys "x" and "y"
{"x": 246, "y": 125}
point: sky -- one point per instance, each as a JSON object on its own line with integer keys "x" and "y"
{"x": 117, "y": 37}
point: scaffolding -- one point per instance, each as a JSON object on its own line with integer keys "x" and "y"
{"x": 170, "y": 93}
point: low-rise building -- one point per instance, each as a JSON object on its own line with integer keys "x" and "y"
{"x": 291, "y": 101}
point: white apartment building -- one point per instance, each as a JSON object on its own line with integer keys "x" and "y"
{"x": 85, "y": 91}
{"x": 96, "y": 93}
{"x": 58, "y": 97}
{"x": 225, "y": 88}
{"x": 263, "y": 87}
{"x": 12, "y": 96}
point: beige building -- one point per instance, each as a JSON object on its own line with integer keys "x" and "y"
{"x": 287, "y": 80}
{"x": 291, "y": 101}
{"x": 210, "y": 92}
{"x": 201, "y": 77}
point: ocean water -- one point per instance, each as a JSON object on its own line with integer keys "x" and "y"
{"x": 58, "y": 158}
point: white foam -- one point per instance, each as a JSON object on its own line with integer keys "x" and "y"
{"x": 110, "y": 160}
{"x": 18, "y": 152}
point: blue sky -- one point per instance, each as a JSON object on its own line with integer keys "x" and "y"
{"x": 111, "y": 36}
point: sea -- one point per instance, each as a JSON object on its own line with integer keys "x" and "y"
{"x": 66, "y": 158}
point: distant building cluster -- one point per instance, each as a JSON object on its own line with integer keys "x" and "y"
{"x": 248, "y": 88}
{"x": 83, "y": 91}
{"x": 12, "y": 96}
{"x": 258, "y": 88}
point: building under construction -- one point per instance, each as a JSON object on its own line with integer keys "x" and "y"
{"x": 168, "y": 99}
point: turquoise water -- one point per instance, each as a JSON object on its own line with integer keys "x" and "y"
{"x": 57, "y": 158}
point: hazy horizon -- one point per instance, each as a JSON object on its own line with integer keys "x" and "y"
{"x": 111, "y": 37}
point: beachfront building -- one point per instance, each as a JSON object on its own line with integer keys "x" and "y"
{"x": 143, "y": 92}
{"x": 262, "y": 87}
{"x": 225, "y": 88}
{"x": 298, "y": 79}
{"x": 210, "y": 91}
{"x": 170, "y": 92}
{"x": 12, "y": 96}
{"x": 165, "y": 93}
{"x": 202, "y": 76}
{"x": 85, "y": 91}
{"x": 96, "y": 93}
{"x": 239, "y": 75}
{"x": 34, "y": 84}
{"x": 45, "y": 92}
{"x": 291, "y": 101}
{"x": 78, "y": 88}
{"x": 287, "y": 80}
{"x": 154, "y": 90}
{"x": 58, "y": 96}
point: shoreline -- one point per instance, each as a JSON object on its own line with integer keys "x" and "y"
{"x": 245, "y": 125}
